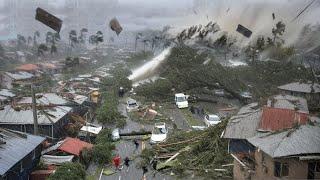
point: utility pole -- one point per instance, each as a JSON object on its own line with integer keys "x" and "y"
{"x": 34, "y": 109}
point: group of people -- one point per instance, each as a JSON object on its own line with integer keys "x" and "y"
{"x": 117, "y": 160}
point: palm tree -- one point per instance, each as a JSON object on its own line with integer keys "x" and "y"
{"x": 73, "y": 38}
{"x": 55, "y": 38}
{"x": 21, "y": 40}
{"x": 138, "y": 36}
{"x": 41, "y": 49}
{"x": 35, "y": 36}
{"x": 29, "y": 40}
{"x": 82, "y": 37}
{"x": 49, "y": 37}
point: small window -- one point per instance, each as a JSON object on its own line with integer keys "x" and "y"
{"x": 281, "y": 169}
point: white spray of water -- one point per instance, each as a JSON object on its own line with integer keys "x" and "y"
{"x": 148, "y": 69}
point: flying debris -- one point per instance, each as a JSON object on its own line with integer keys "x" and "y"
{"x": 48, "y": 19}
{"x": 244, "y": 31}
{"x": 195, "y": 12}
{"x": 303, "y": 10}
{"x": 115, "y": 26}
{"x": 207, "y": 17}
{"x": 228, "y": 10}
{"x": 273, "y": 16}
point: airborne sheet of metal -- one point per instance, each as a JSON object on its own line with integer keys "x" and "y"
{"x": 244, "y": 31}
{"x": 48, "y": 19}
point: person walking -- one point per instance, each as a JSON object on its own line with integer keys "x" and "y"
{"x": 136, "y": 143}
{"x": 126, "y": 163}
{"x": 144, "y": 172}
{"x": 116, "y": 161}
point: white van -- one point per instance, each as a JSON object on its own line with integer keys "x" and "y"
{"x": 181, "y": 100}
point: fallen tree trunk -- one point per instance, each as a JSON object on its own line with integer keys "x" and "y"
{"x": 135, "y": 133}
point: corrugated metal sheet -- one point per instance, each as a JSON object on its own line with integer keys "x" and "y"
{"x": 274, "y": 119}
{"x": 15, "y": 149}
{"x": 244, "y": 124}
{"x": 6, "y": 93}
{"x": 289, "y": 102}
{"x": 303, "y": 140}
{"x": 74, "y": 146}
{"x": 20, "y": 75}
{"x": 301, "y": 87}
{"x": 11, "y": 116}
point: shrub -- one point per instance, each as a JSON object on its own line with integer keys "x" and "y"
{"x": 69, "y": 171}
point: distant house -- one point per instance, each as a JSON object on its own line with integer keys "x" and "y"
{"x": 6, "y": 96}
{"x": 272, "y": 143}
{"x": 309, "y": 91}
{"x": 50, "y": 68}
{"x": 9, "y": 79}
{"x": 19, "y": 154}
{"x": 31, "y": 68}
{"x": 288, "y": 102}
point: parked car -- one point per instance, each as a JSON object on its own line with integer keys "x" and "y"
{"x": 181, "y": 100}
{"x": 159, "y": 133}
{"x": 132, "y": 105}
{"x": 211, "y": 119}
{"x": 219, "y": 92}
{"x": 115, "y": 134}
{"x": 246, "y": 95}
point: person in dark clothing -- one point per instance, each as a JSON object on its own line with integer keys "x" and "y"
{"x": 154, "y": 164}
{"x": 126, "y": 163}
{"x": 144, "y": 170}
{"x": 192, "y": 109}
{"x": 136, "y": 143}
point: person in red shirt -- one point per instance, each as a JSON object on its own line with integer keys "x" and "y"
{"x": 116, "y": 161}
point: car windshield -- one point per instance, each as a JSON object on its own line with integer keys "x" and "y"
{"x": 181, "y": 99}
{"x": 157, "y": 130}
{"x": 132, "y": 104}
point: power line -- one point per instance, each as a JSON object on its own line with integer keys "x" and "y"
{"x": 303, "y": 10}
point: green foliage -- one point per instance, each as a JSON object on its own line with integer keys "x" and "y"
{"x": 158, "y": 90}
{"x": 86, "y": 156}
{"x": 69, "y": 171}
{"x": 138, "y": 58}
{"x": 104, "y": 136}
{"x": 102, "y": 153}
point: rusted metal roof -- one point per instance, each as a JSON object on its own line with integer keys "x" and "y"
{"x": 27, "y": 67}
{"x": 74, "y": 146}
{"x": 275, "y": 119}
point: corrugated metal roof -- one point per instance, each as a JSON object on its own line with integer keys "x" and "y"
{"x": 74, "y": 146}
{"x": 245, "y": 123}
{"x": 21, "y": 75}
{"x": 303, "y": 140}
{"x": 289, "y": 102}
{"x": 301, "y": 87}
{"x": 6, "y": 93}
{"x": 16, "y": 148}
{"x": 45, "y": 99}
{"x": 274, "y": 119}
{"x": 11, "y": 116}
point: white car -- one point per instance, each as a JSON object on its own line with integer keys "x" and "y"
{"x": 211, "y": 119}
{"x": 115, "y": 134}
{"x": 132, "y": 105}
{"x": 159, "y": 133}
{"x": 181, "y": 100}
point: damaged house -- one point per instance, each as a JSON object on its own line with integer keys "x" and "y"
{"x": 52, "y": 113}
{"x": 10, "y": 79}
{"x": 19, "y": 154}
{"x": 310, "y": 91}
{"x": 275, "y": 141}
